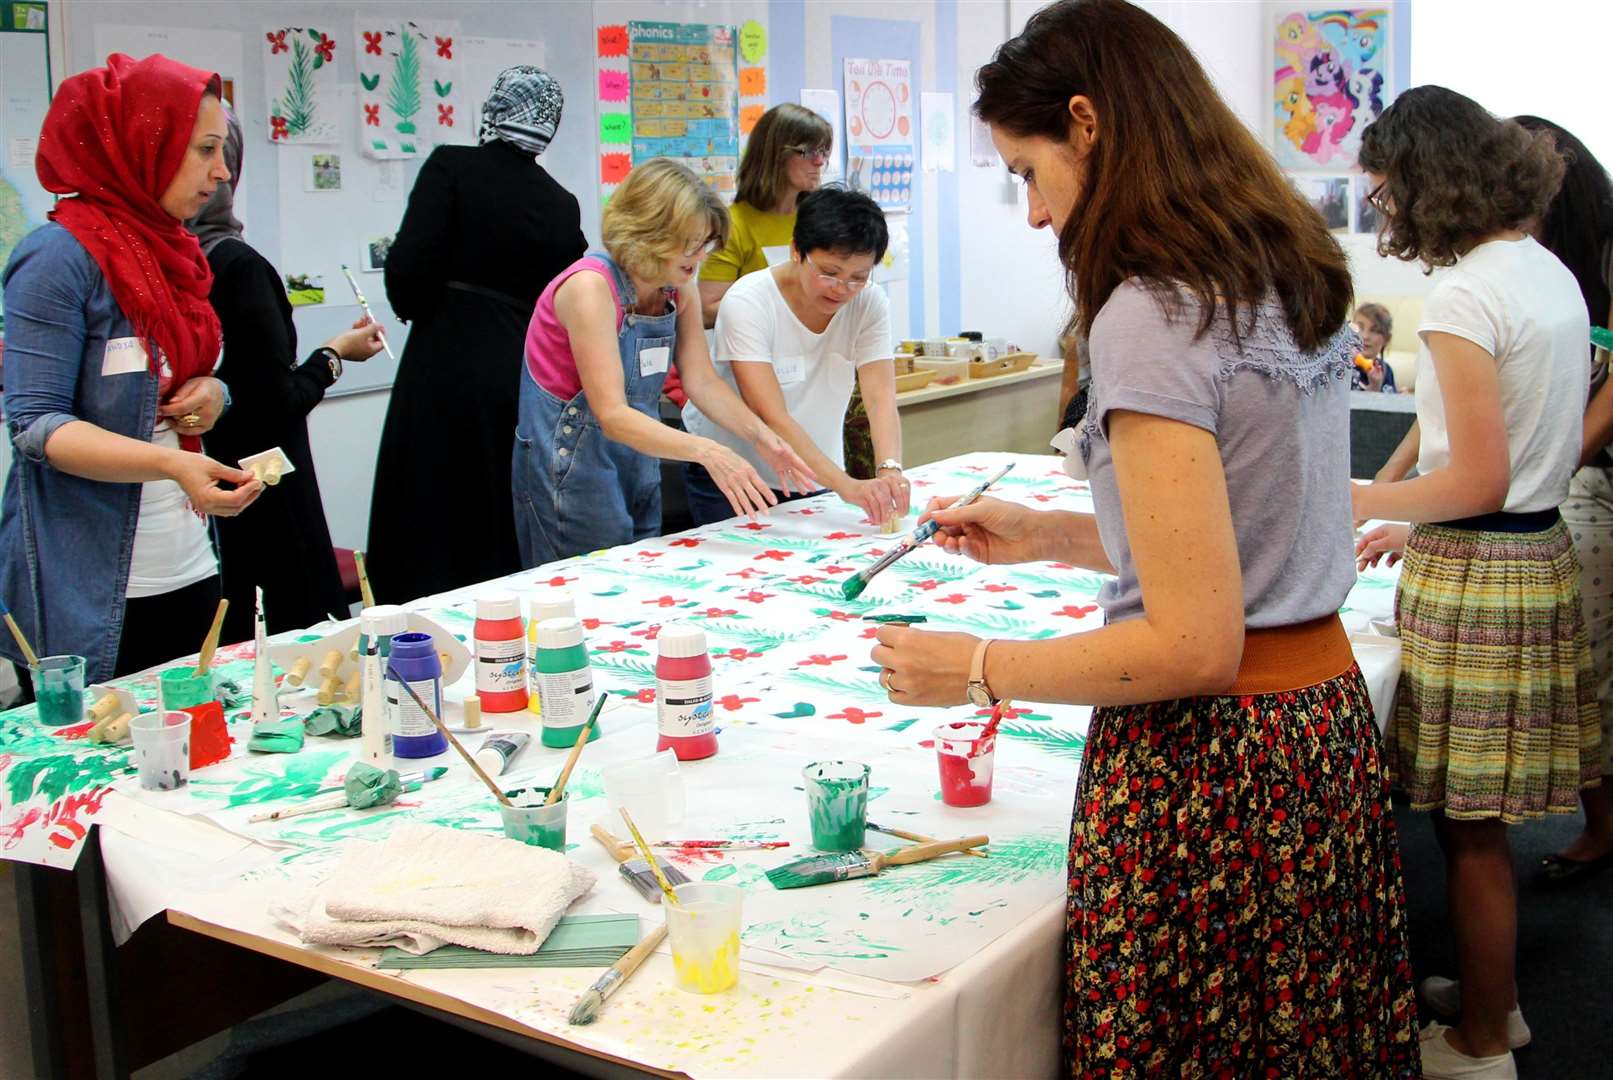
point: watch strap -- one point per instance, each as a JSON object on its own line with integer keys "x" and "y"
{"x": 977, "y": 668}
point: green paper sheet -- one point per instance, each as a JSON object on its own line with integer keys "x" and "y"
{"x": 282, "y": 736}
{"x": 575, "y": 941}
{"x": 337, "y": 720}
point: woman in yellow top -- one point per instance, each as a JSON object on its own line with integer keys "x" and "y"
{"x": 783, "y": 161}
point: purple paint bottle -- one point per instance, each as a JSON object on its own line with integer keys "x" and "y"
{"x": 414, "y": 658}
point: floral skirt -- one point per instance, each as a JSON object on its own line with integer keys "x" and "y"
{"x": 1235, "y": 898}
{"x": 1497, "y": 712}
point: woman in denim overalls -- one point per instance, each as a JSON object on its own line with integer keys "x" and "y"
{"x": 586, "y": 472}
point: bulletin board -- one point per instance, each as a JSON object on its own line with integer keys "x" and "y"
{"x": 24, "y": 99}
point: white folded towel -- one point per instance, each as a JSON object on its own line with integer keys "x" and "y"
{"x": 424, "y": 886}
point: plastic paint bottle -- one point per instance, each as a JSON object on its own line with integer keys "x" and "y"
{"x": 556, "y": 605}
{"x": 500, "y": 642}
{"x": 384, "y": 621}
{"x": 565, "y": 681}
{"x": 683, "y": 693}
{"x": 414, "y": 658}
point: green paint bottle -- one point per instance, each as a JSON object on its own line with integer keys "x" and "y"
{"x": 565, "y": 681}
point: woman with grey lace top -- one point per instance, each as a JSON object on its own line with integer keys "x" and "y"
{"x": 1235, "y": 905}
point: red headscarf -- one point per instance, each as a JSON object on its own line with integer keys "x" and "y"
{"x": 114, "y": 137}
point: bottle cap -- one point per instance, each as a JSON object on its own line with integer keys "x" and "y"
{"x": 491, "y": 761}
{"x": 383, "y": 620}
{"x": 680, "y": 639}
{"x": 559, "y": 633}
{"x": 556, "y": 604}
{"x": 498, "y": 607}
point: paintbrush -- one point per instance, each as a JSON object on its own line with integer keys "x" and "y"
{"x": 724, "y": 845}
{"x": 920, "y": 838}
{"x": 318, "y": 804}
{"x": 996, "y": 718}
{"x": 438, "y": 724}
{"x": 365, "y": 304}
{"x": 576, "y": 752}
{"x": 857, "y": 583}
{"x": 637, "y": 871}
{"x": 16, "y": 632}
{"x": 649, "y": 857}
{"x": 588, "y": 1006}
{"x": 365, "y": 593}
{"x": 822, "y": 869}
{"x": 210, "y": 642}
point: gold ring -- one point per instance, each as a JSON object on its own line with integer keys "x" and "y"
{"x": 885, "y": 680}
{"x": 191, "y": 418}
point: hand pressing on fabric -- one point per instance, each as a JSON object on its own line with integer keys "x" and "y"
{"x": 736, "y": 479}
{"x": 924, "y": 667}
{"x": 203, "y": 480}
{"x": 1385, "y": 540}
{"x": 882, "y": 498}
{"x": 361, "y": 342}
{"x": 795, "y": 477}
{"x": 987, "y": 530}
{"x": 196, "y": 406}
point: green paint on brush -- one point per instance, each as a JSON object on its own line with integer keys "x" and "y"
{"x": 821, "y": 869}
{"x": 853, "y": 587}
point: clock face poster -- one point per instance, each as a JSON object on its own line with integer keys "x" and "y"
{"x": 880, "y": 140}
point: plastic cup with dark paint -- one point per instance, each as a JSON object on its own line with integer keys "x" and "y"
{"x": 162, "y": 749}
{"x": 59, "y": 689}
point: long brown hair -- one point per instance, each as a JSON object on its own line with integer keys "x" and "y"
{"x": 782, "y": 130}
{"x": 1176, "y": 190}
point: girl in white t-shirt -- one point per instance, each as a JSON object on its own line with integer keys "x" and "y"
{"x": 793, "y": 338}
{"x": 1496, "y": 720}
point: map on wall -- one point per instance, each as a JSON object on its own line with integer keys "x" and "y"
{"x": 1331, "y": 78}
{"x": 24, "y": 100}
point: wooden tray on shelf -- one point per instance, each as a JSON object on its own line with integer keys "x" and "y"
{"x": 1006, "y": 364}
{"x": 909, "y": 377}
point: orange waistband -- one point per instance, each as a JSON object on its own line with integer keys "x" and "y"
{"x": 1292, "y": 657}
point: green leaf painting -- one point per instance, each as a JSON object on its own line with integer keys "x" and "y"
{"x": 404, "y": 98}
{"x": 370, "y": 82}
{"x": 443, "y": 89}
{"x": 299, "y": 103}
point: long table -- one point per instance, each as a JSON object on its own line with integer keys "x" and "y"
{"x": 950, "y": 968}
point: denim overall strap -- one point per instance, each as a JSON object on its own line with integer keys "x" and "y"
{"x": 576, "y": 490}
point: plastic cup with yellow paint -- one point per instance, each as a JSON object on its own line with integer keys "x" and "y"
{"x": 704, "y": 926}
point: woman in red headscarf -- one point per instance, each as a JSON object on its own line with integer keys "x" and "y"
{"x": 110, "y": 342}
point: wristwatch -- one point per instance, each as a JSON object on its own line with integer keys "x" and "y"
{"x": 979, "y": 693}
{"x": 888, "y": 463}
{"x": 333, "y": 360}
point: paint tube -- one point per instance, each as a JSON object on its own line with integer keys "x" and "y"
{"x": 499, "y": 749}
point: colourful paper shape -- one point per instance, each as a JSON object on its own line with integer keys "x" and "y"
{"x": 749, "y": 116}
{"x": 753, "y": 41}
{"x": 613, "y": 41}
{"x": 613, "y": 86}
{"x": 613, "y": 168}
{"x": 615, "y": 128}
{"x": 753, "y": 81}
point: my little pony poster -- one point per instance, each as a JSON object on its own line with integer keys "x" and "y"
{"x": 1331, "y": 80}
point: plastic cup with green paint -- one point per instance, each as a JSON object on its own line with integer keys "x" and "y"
{"x": 531, "y": 822}
{"x": 704, "y": 927}
{"x": 182, "y": 688}
{"x": 59, "y": 689}
{"x": 837, "y": 804}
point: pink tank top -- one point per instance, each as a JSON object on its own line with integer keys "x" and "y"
{"x": 548, "y": 345}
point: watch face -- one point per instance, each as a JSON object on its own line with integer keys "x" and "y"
{"x": 979, "y": 696}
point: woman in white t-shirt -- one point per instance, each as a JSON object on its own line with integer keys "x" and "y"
{"x": 792, "y": 339}
{"x": 1496, "y": 720}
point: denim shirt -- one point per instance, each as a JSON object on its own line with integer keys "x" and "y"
{"x": 66, "y": 542}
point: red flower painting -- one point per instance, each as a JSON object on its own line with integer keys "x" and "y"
{"x": 733, "y": 702}
{"x": 755, "y": 526}
{"x": 277, "y": 42}
{"x": 372, "y": 115}
{"x": 372, "y": 42}
{"x": 718, "y": 613}
{"x": 686, "y": 541}
{"x": 663, "y": 601}
{"x": 738, "y": 653}
{"x": 955, "y": 598}
{"x": 326, "y": 48}
{"x": 755, "y": 596}
{"x": 649, "y": 633}
{"x": 842, "y": 536}
{"x": 854, "y": 715}
{"x": 1074, "y": 612}
{"x": 1000, "y": 588}
{"x": 277, "y": 128}
{"x": 645, "y": 696}
{"x": 619, "y": 646}
{"x": 557, "y": 581}
{"x": 820, "y": 660}
{"x": 445, "y": 48}
{"x": 776, "y": 556}
{"x": 445, "y": 115}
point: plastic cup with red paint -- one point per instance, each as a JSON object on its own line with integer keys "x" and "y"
{"x": 965, "y": 760}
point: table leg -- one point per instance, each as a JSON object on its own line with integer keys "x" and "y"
{"x": 101, "y": 963}
{"x": 34, "y": 938}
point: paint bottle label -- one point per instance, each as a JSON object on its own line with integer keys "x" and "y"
{"x": 500, "y": 666}
{"x": 568, "y": 697}
{"x": 534, "y": 677}
{"x": 683, "y": 707}
{"x": 404, "y": 718}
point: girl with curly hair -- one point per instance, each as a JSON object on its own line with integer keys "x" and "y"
{"x": 1496, "y": 720}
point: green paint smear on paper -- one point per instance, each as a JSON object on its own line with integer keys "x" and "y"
{"x": 902, "y": 725}
{"x": 1065, "y": 744}
{"x": 865, "y": 689}
{"x": 54, "y": 775}
{"x": 811, "y": 935}
{"x": 1011, "y": 862}
{"x": 744, "y": 875}
{"x": 303, "y": 775}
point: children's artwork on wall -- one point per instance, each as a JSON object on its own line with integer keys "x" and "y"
{"x": 299, "y": 67}
{"x": 375, "y": 252}
{"x": 1331, "y": 197}
{"x": 879, "y": 130}
{"x": 1367, "y": 218}
{"x": 305, "y": 289}
{"x": 1331, "y": 78}
{"x": 325, "y": 173}
{"x": 408, "y": 94}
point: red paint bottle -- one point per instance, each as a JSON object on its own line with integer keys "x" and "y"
{"x": 500, "y": 641}
{"x": 683, "y": 693}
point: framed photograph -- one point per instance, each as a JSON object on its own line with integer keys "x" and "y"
{"x": 1367, "y": 218}
{"x": 305, "y": 289}
{"x": 1331, "y": 197}
{"x": 326, "y": 173}
{"x": 373, "y": 258}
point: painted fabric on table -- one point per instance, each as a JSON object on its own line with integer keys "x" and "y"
{"x": 1236, "y": 905}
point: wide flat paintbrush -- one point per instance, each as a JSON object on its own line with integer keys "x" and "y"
{"x": 823, "y": 869}
{"x": 637, "y": 871}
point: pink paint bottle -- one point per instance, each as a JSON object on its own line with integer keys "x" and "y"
{"x": 683, "y": 693}
{"x": 500, "y": 641}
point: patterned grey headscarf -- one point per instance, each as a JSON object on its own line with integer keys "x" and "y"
{"x": 217, "y": 220}
{"x": 522, "y": 109}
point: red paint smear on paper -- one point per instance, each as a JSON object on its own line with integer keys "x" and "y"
{"x": 77, "y": 731}
{"x": 613, "y": 168}
{"x": 613, "y": 86}
{"x": 12, "y": 831}
{"x": 67, "y": 830}
{"x": 613, "y": 41}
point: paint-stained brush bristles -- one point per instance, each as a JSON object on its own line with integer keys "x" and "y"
{"x": 587, "y": 1008}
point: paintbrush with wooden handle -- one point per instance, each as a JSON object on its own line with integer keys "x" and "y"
{"x": 823, "y": 869}
{"x": 588, "y": 1006}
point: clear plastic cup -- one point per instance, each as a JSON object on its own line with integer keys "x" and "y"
{"x": 531, "y": 822}
{"x": 162, "y": 749}
{"x": 704, "y": 927}
{"x": 965, "y": 761}
{"x": 837, "y": 804}
{"x": 650, "y": 789}
{"x": 59, "y": 689}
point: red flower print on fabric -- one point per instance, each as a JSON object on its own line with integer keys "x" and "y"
{"x": 854, "y": 715}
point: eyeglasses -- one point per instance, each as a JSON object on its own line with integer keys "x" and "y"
{"x": 1376, "y": 199}
{"x": 853, "y": 285}
{"x": 704, "y": 247}
{"x": 815, "y": 154}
